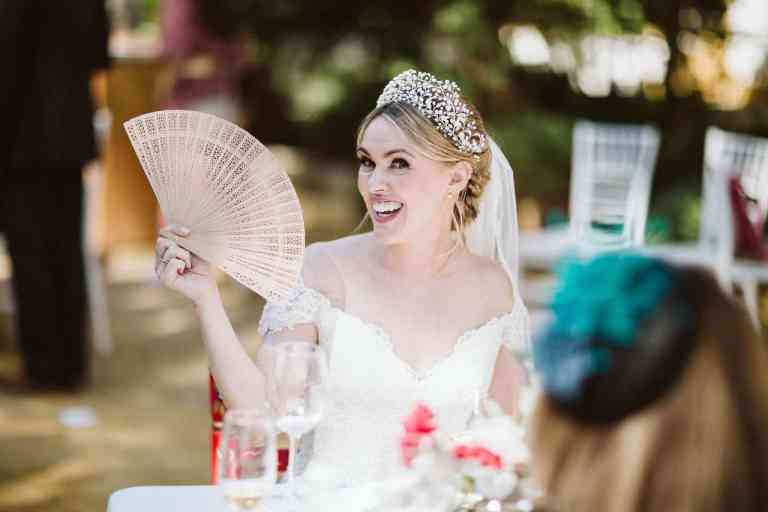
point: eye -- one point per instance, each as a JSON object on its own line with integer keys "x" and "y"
{"x": 400, "y": 163}
{"x": 366, "y": 165}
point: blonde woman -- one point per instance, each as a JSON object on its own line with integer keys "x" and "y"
{"x": 418, "y": 309}
{"x": 656, "y": 394}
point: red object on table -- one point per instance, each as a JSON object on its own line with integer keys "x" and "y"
{"x": 217, "y": 421}
{"x": 282, "y": 459}
{"x": 218, "y": 409}
{"x": 748, "y": 222}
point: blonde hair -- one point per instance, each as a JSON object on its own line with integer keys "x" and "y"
{"x": 435, "y": 146}
{"x": 702, "y": 447}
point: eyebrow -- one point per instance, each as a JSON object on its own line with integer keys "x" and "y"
{"x": 390, "y": 152}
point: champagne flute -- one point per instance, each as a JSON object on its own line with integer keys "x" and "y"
{"x": 247, "y": 457}
{"x": 300, "y": 372}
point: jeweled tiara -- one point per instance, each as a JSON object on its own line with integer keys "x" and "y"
{"x": 439, "y": 101}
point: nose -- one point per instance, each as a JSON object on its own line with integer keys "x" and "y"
{"x": 377, "y": 182}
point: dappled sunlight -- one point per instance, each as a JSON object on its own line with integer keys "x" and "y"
{"x": 725, "y": 67}
{"x": 528, "y": 47}
{"x": 626, "y": 62}
{"x": 596, "y": 63}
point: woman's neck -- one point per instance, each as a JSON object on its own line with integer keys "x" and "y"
{"x": 426, "y": 257}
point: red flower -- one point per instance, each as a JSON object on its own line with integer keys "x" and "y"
{"x": 482, "y": 455}
{"x": 421, "y": 421}
{"x": 418, "y": 425}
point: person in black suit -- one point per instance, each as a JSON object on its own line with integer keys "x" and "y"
{"x": 48, "y": 51}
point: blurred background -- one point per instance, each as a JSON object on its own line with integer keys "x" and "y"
{"x": 300, "y": 76}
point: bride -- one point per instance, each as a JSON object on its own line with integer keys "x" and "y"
{"x": 420, "y": 309}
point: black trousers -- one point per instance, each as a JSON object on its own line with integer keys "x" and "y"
{"x": 42, "y": 220}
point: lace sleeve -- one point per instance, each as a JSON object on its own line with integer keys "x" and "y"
{"x": 516, "y": 331}
{"x": 303, "y": 307}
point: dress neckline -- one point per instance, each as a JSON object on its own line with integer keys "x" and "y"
{"x": 421, "y": 374}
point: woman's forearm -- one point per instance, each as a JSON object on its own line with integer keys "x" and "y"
{"x": 237, "y": 376}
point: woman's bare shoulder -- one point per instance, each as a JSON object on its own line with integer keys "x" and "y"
{"x": 349, "y": 249}
{"x": 324, "y": 261}
{"x": 492, "y": 282}
{"x": 321, "y": 273}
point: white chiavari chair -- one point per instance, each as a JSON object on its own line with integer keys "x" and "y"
{"x": 611, "y": 173}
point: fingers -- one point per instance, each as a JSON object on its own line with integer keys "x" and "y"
{"x": 174, "y": 251}
{"x": 174, "y": 256}
{"x": 166, "y": 249}
{"x": 161, "y": 246}
{"x": 185, "y": 256}
{"x": 169, "y": 272}
{"x": 160, "y": 265}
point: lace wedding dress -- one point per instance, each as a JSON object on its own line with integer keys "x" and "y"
{"x": 372, "y": 390}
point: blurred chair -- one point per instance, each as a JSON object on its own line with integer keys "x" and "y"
{"x": 727, "y": 155}
{"x": 101, "y": 328}
{"x": 611, "y": 172}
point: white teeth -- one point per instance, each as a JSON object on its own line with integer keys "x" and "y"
{"x": 386, "y": 207}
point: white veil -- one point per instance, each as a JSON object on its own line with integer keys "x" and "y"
{"x": 494, "y": 232}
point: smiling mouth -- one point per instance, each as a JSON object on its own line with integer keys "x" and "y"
{"x": 386, "y": 211}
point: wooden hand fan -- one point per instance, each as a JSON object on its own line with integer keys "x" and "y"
{"x": 216, "y": 179}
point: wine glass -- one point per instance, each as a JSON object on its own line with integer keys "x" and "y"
{"x": 247, "y": 457}
{"x": 298, "y": 393}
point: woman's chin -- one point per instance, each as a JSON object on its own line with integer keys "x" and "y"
{"x": 388, "y": 230}
{"x": 388, "y": 234}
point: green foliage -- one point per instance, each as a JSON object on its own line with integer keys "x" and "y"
{"x": 538, "y": 146}
{"x": 317, "y": 68}
{"x": 682, "y": 206}
{"x": 457, "y": 17}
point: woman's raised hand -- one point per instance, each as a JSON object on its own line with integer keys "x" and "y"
{"x": 180, "y": 270}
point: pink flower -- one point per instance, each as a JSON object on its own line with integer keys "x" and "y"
{"x": 483, "y": 456}
{"x": 420, "y": 424}
{"x": 421, "y": 420}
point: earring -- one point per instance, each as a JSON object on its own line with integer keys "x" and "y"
{"x": 450, "y": 194}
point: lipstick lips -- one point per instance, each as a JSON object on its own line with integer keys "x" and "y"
{"x": 383, "y": 218}
{"x": 384, "y": 211}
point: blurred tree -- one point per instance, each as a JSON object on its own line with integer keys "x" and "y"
{"x": 317, "y": 68}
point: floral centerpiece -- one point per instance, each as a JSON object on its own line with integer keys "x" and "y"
{"x": 441, "y": 472}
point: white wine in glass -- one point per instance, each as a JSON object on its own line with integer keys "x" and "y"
{"x": 247, "y": 458}
{"x": 300, "y": 372}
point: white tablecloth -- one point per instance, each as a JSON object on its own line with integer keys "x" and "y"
{"x": 207, "y": 498}
{"x": 167, "y": 498}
